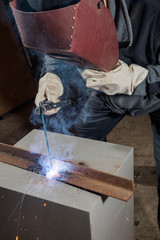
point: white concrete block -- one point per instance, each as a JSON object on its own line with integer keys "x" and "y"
{"x": 70, "y": 213}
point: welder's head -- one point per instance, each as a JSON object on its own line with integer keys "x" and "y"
{"x": 76, "y": 31}
{"x": 43, "y": 5}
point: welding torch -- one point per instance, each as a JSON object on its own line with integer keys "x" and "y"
{"x": 49, "y": 105}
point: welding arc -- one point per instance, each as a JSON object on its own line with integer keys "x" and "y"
{"x": 44, "y": 127}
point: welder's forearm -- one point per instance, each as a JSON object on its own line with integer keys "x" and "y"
{"x": 50, "y": 65}
{"x": 151, "y": 84}
{"x": 153, "y": 79}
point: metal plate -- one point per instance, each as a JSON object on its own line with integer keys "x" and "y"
{"x": 79, "y": 176}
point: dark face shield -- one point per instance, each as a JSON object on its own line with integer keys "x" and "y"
{"x": 83, "y": 33}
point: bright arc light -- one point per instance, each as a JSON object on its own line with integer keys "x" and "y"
{"x": 56, "y": 170}
{"x": 52, "y": 173}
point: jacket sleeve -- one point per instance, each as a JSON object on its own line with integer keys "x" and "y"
{"x": 51, "y": 65}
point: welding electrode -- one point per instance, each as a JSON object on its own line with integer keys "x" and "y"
{"x": 44, "y": 107}
{"x": 44, "y": 127}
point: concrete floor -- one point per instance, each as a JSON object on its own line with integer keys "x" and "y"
{"x": 135, "y": 132}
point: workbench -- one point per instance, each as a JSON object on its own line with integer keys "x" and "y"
{"x": 33, "y": 207}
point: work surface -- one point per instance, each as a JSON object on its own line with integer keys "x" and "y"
{"x": 107, "y": 157}
{"x": 101, "y": 156}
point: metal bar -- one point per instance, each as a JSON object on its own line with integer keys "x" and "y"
{"x": 79, "y": 176}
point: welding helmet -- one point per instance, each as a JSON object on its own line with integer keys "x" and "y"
{"x": 81, "y": 32}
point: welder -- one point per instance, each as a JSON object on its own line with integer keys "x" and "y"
{"x": 132, "y": 87}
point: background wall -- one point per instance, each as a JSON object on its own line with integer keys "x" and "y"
{"x": 16, "y": 81}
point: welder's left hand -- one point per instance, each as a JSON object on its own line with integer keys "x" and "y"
{"x": 122, "y": 79}
{"x": 50, "y": 88}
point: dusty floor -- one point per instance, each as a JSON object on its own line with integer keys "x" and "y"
{"x": 135, "y": 132}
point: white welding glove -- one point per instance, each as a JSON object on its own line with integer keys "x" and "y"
{"x": 122, "y": 79}
{"x": 51, "y": 88}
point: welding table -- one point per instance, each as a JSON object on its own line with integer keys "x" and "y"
{"x": 33, "y": 207}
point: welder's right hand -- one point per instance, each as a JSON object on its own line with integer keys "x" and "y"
{"x": 51, "y": 88}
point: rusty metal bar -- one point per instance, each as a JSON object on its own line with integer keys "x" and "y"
{"x": 79, "y": 176}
